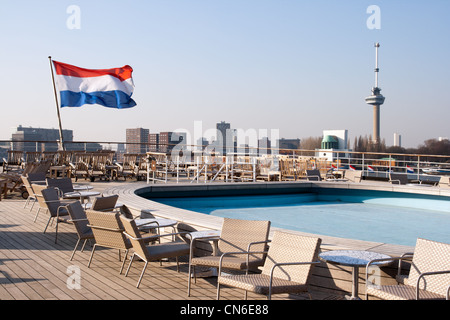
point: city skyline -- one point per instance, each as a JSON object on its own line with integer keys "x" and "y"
{"x": 298, "y": 67}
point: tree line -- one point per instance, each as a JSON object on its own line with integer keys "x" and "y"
{"x": 365, "y": 144}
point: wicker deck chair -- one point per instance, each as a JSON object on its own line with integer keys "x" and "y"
{"x": 429, "y": 276}
{"x": 65, "y": 185}
{"x": 153, "y": 252}
{"x": 313, "y": 175}
{"x": 287, "y": 268}
{"x": 236, "y": 236}
{"x": 49, "y": 199}
{"x": 79, "y": 219}
{"x": 353, "y": 175}
{"x": 108, "y": 233}
{"x": 398, "y": 178}
{"x": 31, "y": 195}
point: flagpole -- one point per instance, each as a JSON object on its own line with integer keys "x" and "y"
{"x": 57, "y": 107}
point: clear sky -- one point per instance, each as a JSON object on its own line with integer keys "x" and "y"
{"x": 298, "y": 66}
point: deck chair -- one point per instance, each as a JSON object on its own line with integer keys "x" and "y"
{"x": 429, "y": 276}
{"x": 313, "y": 175}
{"x": 79, "y": 219}
{"x": 153, "y": 252}
{"x": 236, "y": 236}
{"x": 398, "y": 178}
{"x": 36, "y": 178}
{"x": 31, "y": 195}
{"x": 108, "y": 232}
{"x": 287, "y": 269}
{"x": 444, "y": 181}
{"x": 55, "y": 207}
{"x": 64, "y": 185}
{"x": 353, "y": 175}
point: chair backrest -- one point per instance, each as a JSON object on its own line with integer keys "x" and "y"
{"x": 78, "y": 217}
{"x": 107, "y": 229}
{"x": 124, "y": 210}
{"x": 287, "y": 247}
{"x": 37, "y": 188}
{"x": 444, "y": 181}
{"x": 36, "y": 176}
{"x": 63, "y": 184}
{"x": 353, "y": 175}
{"x": 430, "y": 256}
{"x": 237, "y": 234}
{"x": 107, "y": 203}
{"x": 27, "y": 185}
{"x": 138, "y": 244}
{"x": 52, "y": 201}
{"x": 398, "y": 178}
{"x": 313, "y": 175}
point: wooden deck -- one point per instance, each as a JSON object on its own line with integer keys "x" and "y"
{"x": 33, "y": 267}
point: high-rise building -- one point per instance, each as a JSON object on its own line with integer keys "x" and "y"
{"x": 222, "y": 132}
{"x": 137, "y": 140}
{"x": 288, "y": 144}
{"x": 36, "y": 138}
{"x": 397, "y": 140}
{"x": 153, "y": 140}
{"x": 168, "y": 140}
{"x": 264, "y": 146}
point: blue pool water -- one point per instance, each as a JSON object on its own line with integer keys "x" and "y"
{"x": 396, "y": 219}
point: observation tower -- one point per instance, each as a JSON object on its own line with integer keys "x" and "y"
{"x": 376, "y": 100}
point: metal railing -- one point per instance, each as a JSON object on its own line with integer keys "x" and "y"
{"x": 209, "y": 164}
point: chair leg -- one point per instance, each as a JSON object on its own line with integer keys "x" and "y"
{"x": 218, "y": 289}
{"x": 129, "y": 266}
{"x": 75, "y": 249}
{"x": 56, "y": 231}
{"x": 26, "y": 203}
{"x": 92, "y": 254}
{"x": 47, "y": 224}
{"x": 189, "y": 280}
{"x": 142, "y": 274}
{"x": 35, "y": 217}
{"x": 84, "y": 244}
{"x": 123, "y": 263}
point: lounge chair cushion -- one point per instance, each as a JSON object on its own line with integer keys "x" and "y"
{"x": 400, "y": 292}
{"x": 259, "y": 283}
{"x": 229, "y": 262}
{"x": 166, "y": 250}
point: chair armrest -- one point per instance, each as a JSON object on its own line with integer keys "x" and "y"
{"x": 256, "y": 242}
{"x": 405, "y": 256}
{"x": 152, "y": 236}
{"x": 104, "y": 228}
{"x": 277, "y": 265}
{"x": 431, "y": 273}
{"x": 77, "y": 220}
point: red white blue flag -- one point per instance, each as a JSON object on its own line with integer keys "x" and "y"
{"x": 111, "y": 88}
{"x": 409, "y": 169}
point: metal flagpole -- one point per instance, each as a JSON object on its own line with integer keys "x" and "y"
{"x": 61, "y": 144}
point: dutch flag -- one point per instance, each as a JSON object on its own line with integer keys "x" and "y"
{"x": 409, "y": 169}
{"x": 106, "y": 87}
{"x": 351, "y": 167}
{"x": 370, "y": 168}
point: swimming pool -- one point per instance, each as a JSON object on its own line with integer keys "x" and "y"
{"x": 379, "y": 216}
